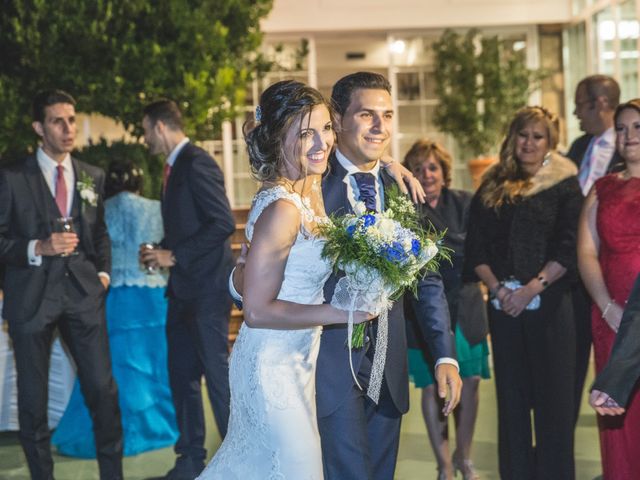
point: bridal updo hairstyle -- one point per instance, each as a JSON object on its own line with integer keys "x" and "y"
{"x": 506, "y": 181}
{"x": 280, "y": 106}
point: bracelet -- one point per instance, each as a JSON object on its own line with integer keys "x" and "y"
{"x": 606, "y": 309}
{"x": 543, "y": 281}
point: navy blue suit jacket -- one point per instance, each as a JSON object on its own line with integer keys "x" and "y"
{"x": 333, "y": 377}
{"x": 197, "y": 225}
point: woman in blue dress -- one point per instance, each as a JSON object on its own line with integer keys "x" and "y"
{"x": 136, "y": 315}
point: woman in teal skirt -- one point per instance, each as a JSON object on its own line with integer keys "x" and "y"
{"x": 448, "y": 210}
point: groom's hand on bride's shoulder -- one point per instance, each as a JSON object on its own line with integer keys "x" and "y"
{"x": 449, "y": 385}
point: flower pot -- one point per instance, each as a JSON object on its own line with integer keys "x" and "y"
{"x": 477, "y": 167}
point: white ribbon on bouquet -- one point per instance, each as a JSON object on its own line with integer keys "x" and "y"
{"x": 362, "y": 289}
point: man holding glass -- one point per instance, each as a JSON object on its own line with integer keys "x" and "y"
{"x": 56, "y": 250}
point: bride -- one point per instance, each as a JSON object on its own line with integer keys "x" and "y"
{"x": 273, "y": 432}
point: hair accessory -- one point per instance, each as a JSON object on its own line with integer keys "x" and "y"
{"x": 258, "y": 113}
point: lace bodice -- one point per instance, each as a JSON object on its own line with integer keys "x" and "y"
{"x": 132, "y": 220}
{"x": 306, "y": 270}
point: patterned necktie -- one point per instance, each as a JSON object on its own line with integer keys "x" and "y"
{"x": 165, "y": 176}
{"x": 367, "y": 187}
{"x": 61, "y": 191}
{"x": 585, "y": 165}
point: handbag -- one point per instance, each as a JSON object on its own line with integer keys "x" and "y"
{"x": 472, "y": 313}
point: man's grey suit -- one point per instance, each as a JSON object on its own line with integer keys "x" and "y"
{"x": 63, "y": 292}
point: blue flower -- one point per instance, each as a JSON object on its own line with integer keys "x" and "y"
{"x": 415, "y": 246}
{"x": 368, "y": 220}
{"x": 351, "y": 230}
{"x": 395, "y": 253}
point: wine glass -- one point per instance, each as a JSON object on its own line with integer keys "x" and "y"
{"x": 65, "y": 225}
{"x": 148, "y": 268}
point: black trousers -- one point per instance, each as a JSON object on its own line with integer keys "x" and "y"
{"x": 534, "y": 361}
{"x": 81, "y": 321}
{"x": 198, "y": 344}
{"x": 582, "y": 315}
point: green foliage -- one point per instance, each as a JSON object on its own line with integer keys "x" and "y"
{"x": 480, "y": 83}
{"x": 114, "y": 56}
{"x": 101, "y": 154}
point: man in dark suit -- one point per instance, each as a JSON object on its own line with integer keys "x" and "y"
{"x": 596, "y": 99}
{"x": 614, "y": 385}
{"x": 58, "y": 279}
{"x": 196, "y": 249}
{"x": 359, "y": 437}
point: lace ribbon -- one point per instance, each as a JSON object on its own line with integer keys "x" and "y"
{"x": 364, "y": 290}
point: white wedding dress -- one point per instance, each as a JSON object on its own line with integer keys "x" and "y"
{"x": 273, "y": 433}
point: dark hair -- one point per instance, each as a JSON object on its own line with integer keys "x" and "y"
{"x": 167, "y": 112}
{"x": 45, "y": 99}
{"x": 123, "y": 175}
{"x": 344, "y": 88}
{"x": 280, "y": 105}
{"x": 601, "y": 85}
{"x": 420, "y": 152}
{"x": 631, "y": 104}
{"x": 507, "y": 180}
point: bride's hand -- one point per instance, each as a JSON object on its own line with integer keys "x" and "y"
{"x": 361, "y": 317}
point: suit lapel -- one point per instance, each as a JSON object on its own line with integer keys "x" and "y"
{"x": 40, "y": 191}
{"x": 334, "y": 190}
{"x": 177, "y": 170}
{"x": 84, "y": 210}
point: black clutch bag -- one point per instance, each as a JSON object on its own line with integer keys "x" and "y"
{"x": 472, "y": 313}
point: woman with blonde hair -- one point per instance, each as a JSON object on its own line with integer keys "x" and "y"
{"x": 521, "y": 243}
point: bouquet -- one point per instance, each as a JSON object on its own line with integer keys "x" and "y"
{"x": 382, "y": 255}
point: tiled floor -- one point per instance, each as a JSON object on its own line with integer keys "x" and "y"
{"x": 415, "y": 460}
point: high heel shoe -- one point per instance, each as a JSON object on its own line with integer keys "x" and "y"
{"x": 442, "y": 474}
{"x": 465, "y": 467}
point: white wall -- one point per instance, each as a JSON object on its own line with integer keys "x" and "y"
{"x": 306, "y": 16}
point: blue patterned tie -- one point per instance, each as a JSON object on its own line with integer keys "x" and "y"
{"x": 367, "y": 187}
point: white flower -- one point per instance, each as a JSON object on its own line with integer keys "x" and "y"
{"x": 430, "y": 250}
{"x": 359, "y": 208}
{"x": 89, "y": 196}
{"x": 387, "y": 228}
{"x": 87, "y": 189}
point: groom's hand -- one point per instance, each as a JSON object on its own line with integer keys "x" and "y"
{"x": 448, "y": 378}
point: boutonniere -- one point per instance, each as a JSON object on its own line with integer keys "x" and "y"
{"x": 87, "y": 188}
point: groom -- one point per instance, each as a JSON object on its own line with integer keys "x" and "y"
{"x": 359, "y": 438}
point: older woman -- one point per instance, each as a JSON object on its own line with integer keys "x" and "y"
{"x": 609, "y": 260}
{"x": 446, "y": 209}
{"x": 521, "y": 243}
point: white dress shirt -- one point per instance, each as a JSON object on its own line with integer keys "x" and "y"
{"x": 171, "y": 159}
{"x": 604, "y": 147}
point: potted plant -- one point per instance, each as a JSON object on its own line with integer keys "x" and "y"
{"x": 480, "y": 82}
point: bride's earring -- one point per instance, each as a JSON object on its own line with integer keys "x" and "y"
{"x": 547, "y": 159}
